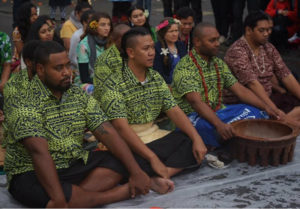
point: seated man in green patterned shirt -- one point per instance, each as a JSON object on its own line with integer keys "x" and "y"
{"x": 45, "y": 162}
{"x": 110, "y": 60}
{"x": 19, "y": 83}
{"x": 199, "y": 79}
{"x": 134, "y": 102}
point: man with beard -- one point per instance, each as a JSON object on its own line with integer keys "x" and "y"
{"x": 199, "y": 80}
{"x": 45, "y": 162}
{"x": 254, "y": 62}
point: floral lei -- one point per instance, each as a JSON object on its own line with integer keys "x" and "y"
{"x": 205, "y": 86}
{"x": 166, "y": 23}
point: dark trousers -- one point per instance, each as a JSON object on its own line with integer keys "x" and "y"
{"x": 16, "y": 6}
{"x": 222, "y": 13}
{"x": 279, "y": 36}
{"x": 195, "y": 5}
{"x": 238, "y": 11}
{"x": 120, "y": 9}
{"x": 168, "y": 5}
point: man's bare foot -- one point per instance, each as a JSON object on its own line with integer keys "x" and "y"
{"x": 161, "y": 185}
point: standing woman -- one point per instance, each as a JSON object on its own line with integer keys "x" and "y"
{"x": 138, "y": 17}
{"x": 93, "y": 43}
{"x": 168, "y": 49}
{"x": 26, "y": 15}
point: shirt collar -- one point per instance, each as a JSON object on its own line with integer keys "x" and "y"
{"x": 43, "y": 91}
{"x": 201, "y": 61}
{"x": 129, "y": 76}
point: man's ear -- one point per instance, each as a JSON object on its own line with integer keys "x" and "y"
{"x": 40, "y": 69}
{"x": 196, "y": 42}
{"x": 130, "y": 52}
{"x": 248, "y": 30}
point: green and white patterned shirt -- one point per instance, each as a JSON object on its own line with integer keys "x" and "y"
{"x": 107, "y": 64}
{"x": 186, "y": 79}
{"x": 61, "y": 122}
{"x": 139, "y": 103}
{"x": 5, "y": 50}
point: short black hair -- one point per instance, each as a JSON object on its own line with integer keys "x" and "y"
{"x": 45, "y": 49}
{"x": 128, "y": 39}
{"x": 253, "y": 17}
{"x": 184, "y": 13}
{"x": 82, "y": 5}
{"x": 198, "y": 31}
{"x": 86, "y": 15}
{"x": 29, "y": 48}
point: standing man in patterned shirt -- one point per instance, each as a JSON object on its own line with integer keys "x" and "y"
{"x": 254, "y": 61}
{"x": 45, "y": 162}
{"x": 135, "y": 101}
{"x": 199, "y": 80}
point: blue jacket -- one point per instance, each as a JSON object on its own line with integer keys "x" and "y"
{"x": 159, "y": 59}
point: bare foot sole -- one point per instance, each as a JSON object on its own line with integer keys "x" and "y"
{"x": 161, "y": 185}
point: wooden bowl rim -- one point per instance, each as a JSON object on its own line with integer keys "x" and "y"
{"x": 293, "y": 134}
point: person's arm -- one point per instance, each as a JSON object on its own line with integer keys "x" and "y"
{"x": 292, "y": 85}
{"x": 45, "y": 169}
{"x": 257, "y": 98}
{"x": 112, "y": 140}
{"x": 137, "y": 146}
{"x": 183, "y": 123}
{"x": 194, "y": 98}
{"x": 276, "y": 86}
{"x": 84, "y": 73}
{"x": 5, "y": 75}
{"x": 67, "y": 43}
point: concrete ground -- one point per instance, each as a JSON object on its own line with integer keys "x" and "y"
{"x": 238, "y": 186}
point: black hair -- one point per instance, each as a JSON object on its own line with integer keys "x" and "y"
{"x": 45, "y": 48}
{"x": 23, "y": 19}
{"x": 184, "y": 13}
{"x": 86, "y": 15}
{"x": 82, "y": 5}
{"x": 29, "y": 48}
{"x": 128, "y": 39}
{"x": 253, "y": 17}
{"x": 33, "y": 33}
{"x": 146, "y": 25}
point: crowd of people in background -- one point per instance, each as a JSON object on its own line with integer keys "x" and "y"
{"x": 117, "y": 76}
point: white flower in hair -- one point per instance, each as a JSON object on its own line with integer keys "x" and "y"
{"x": 146, "y": 13}
{"x": 164, "y": 51}
{"x": 177, "y": 21}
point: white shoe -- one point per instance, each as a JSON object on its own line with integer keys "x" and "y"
{"x": 293, "y": 38}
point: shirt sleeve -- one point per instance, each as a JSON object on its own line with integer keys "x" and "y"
{"x": 6, "y": 50}
{"x": 238, "y": 62}
{"x": 185, "y": 78}
{"x": 66, "y": 31}
{"x": 168, "y": 99}
{"x": 94, "y": 114}
{"x": 82, "y": 53}
{"x": 280, "y": 68}
{"x": 228, "y": 77}
{"x": 25, "y": 122}
{"x": 112, "y": 102}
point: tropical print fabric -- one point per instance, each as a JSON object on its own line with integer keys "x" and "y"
{"x": 186, "y": 79}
